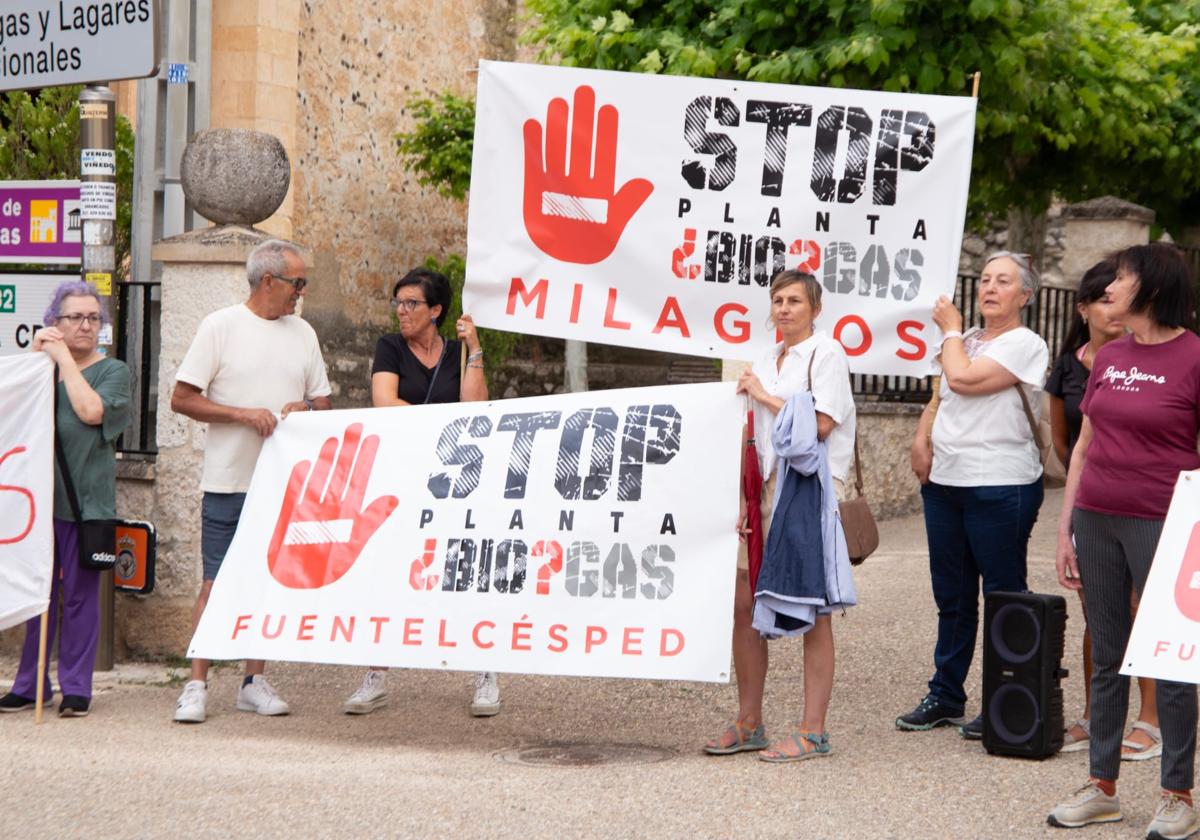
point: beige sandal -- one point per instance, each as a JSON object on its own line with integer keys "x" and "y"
{"x": 1143, "y": 752}
{"x": 1073, "y": 744}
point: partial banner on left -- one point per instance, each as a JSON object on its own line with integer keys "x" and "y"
{"x": 26, "y": 486}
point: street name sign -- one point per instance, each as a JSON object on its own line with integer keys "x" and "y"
{"x": 45, "y": 43}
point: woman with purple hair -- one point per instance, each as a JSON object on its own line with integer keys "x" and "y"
{"x": 92, "y": 410}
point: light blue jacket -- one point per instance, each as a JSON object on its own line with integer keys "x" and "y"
{"x": 796, "y": 444}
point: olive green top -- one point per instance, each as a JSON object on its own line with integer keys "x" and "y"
{"x": 91, "y": 450}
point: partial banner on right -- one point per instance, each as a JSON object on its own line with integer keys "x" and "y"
{"x": 1166, "y": 632}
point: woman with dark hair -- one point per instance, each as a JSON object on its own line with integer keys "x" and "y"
{"x": 1092, "y": 328}
{"x": 1141, "y": 417}
{"x": 92, "y": 410}
{"x": 806, "y": 360}
{"x": 413, "y": 367}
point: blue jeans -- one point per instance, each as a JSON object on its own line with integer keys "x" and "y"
{"x": 973, "y": 532}
{"x": 219, "y": 515}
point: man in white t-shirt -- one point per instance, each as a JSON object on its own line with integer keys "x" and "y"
{"x": 247, "y": 364}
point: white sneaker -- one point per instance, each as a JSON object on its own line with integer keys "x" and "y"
{"x": 260, "y": 697}
{"x": 1174, "y": 820}
{"x": 487, "y": 695}
{"x": 371, "y": 695}
{"x": 1087, "y": 805}
{"x": 193, "y": 703}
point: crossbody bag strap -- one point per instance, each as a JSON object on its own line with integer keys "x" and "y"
{"x": 433, "y": 379}
{"x": 61, "y": 456}
{"x": 858, "y": 479}
{"x": 1033, "y": 425}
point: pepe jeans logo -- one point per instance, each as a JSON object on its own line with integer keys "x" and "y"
{"x": 1130, "y": 380}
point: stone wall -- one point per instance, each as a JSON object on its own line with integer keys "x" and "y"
{"x": 255, "y": 44}
{"x": 885, "y": 434}
{"x": 976, "y": 247}
{"x": 365, "y": 219}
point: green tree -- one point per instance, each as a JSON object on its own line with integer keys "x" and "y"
{"x": 39, "y": 140}
{"x": 438, "y": 151}
{"x": 1075, "y": 94}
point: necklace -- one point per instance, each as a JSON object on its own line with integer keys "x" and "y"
{"x": 423, "y": 353}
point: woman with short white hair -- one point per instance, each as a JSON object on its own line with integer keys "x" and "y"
{"x": 981, "y": 477}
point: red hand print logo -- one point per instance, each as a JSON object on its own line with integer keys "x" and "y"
{"x": 6, "y": 539}
{"x": 1187, "y": 585}
{"x": 322, "y": 530}
{"x": 574, "y": 215}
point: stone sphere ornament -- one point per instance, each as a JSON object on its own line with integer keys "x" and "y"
{"x": 235, "y": 176}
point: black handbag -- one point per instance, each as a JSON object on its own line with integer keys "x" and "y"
{"x": 97, "y": 537}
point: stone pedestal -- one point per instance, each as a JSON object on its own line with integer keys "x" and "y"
{"x": 202, "y": 271}
{"x": 1097, "y": 228}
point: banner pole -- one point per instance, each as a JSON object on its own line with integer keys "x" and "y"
{"x": 935, "y": 384}
{"x": 40, "y": 694}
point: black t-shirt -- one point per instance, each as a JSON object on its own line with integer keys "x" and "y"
{"x": 392, "y": 355}
{"x": 1068, "y": 381}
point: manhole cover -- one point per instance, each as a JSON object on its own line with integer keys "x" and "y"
{"x": 582, "y": 755}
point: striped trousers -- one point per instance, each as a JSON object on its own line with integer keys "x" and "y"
{"x": 1115, "y": 553}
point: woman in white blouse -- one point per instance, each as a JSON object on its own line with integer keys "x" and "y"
{"x": 782, "y": 371}
{"x": 981, "y": 477}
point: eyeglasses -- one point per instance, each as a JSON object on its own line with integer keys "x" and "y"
{"x": 296, "y": 283}
{"x": 76, "y": 318}
{"x": 409, "y": 304}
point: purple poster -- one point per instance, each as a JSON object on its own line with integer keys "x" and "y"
{"x": 40, "y": 222}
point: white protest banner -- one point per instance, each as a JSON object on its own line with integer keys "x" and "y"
{"x": 652, "y": 211}
{"x": 26, "y": 486}
{"x": 1166, "y": 631}
{"x": 589, "y": 534}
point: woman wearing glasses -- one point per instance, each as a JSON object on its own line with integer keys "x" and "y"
{"x": 92, "y": 410}
{"x": 413, "y": 367}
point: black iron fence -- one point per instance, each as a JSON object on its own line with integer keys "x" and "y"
{"x": 137, "y": 340}
{"x": 1049, "y": 317}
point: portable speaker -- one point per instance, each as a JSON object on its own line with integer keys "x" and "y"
{"x": 1023, "y": 637}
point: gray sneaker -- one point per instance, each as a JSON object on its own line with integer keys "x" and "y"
{"x": 1174, "y": 820}
{"x": 371, "y": 695}
{"x": 486, "y": 701}
{"x": 1087, "y": 805}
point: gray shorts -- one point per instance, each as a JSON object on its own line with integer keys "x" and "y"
{"x": 219, "y": 514}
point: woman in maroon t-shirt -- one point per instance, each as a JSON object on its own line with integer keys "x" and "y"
{"x": 1141, "y": 420}
{"x": 1092, "y": 328}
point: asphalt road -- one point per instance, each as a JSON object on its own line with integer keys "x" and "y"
{"x": 422, "y": 767}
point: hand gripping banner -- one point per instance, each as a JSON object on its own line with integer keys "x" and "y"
{"x": 652, "y": 211}
{"x": 590, "y": 534}
{"x": 26, "y": 486}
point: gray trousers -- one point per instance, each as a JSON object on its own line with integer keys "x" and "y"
{"x": 1115, "y": 553}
